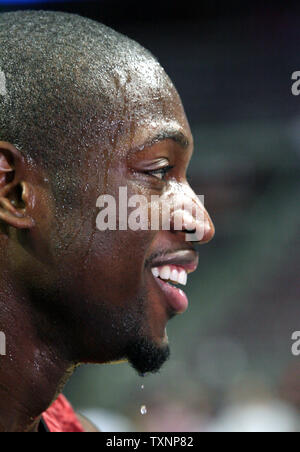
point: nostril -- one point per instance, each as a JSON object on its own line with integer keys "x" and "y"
{"x": 190, "y": 230}
{"x": 189, "y": 224}
{"x": 203, "y": 233}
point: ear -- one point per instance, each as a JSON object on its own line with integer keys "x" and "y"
{"x": 16, "y": 195}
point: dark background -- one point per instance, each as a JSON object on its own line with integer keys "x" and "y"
{"x": 232, "y": 366}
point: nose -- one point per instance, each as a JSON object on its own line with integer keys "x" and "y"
{"x": 191, "y": 217}
{"x": 208, "y": 230}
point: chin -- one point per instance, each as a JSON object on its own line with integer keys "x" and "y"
{"x": 146, "y": 356}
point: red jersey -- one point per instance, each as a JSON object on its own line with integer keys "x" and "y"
{"x": 61, "y": 418}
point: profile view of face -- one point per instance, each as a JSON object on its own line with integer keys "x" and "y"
{"x": 97, "y": 295}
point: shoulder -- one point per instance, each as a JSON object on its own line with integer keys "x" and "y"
{"x": 61, "y": 417}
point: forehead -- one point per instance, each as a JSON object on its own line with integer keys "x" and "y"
{"x": 150, "y": 94}
{"x": 149, "y": 106}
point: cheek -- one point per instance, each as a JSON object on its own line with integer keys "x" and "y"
{"x": 112, "y": 261}
{"x": 114, "y": 269}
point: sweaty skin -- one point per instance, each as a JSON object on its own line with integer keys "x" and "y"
{"x": 69, "y": 293}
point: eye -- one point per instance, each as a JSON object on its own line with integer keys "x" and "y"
{"x": 161, "y": 172}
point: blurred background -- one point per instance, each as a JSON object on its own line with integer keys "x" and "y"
{"x": 232, "y": 368}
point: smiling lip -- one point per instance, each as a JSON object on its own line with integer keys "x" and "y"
{"x": 174, "y": 267}
{"x": 187, "y": 259}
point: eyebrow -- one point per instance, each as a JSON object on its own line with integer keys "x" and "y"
{"x": 175, "y": 135}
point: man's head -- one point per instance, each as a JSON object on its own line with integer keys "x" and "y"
{"x": 83, "y": 112}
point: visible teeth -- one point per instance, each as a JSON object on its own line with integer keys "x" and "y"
{"x": 165, "y": 272}
{"x": 182, "y": 278}
{"x": 168, "y": 273}
{"x": 155, "y": 272}
{"x": 174, "y": 275}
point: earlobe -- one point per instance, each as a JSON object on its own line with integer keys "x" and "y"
{"x": 15, "y": 193}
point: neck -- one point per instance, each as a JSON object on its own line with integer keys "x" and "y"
{"x": 34, "y": 369}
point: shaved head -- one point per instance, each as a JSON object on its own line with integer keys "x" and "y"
{"x": 67, "y": 83}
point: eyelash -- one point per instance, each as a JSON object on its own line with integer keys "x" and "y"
{"x": 162, "y": 171}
